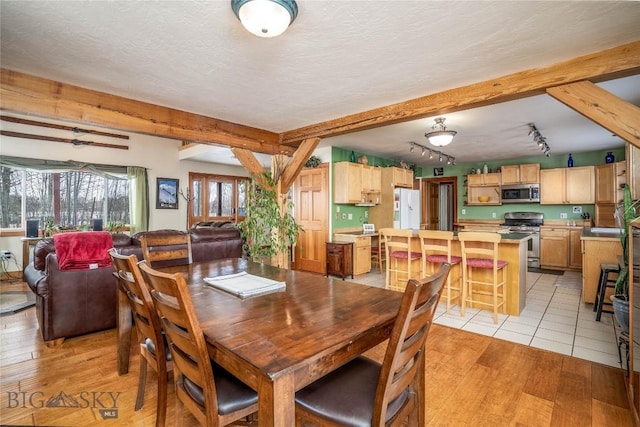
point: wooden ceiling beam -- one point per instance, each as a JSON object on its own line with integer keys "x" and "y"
{"x": 609, "y": 111}
{"x": 26, "y": 94}
{"x": 608, "y": 64}
{"x": 300, "y": 157}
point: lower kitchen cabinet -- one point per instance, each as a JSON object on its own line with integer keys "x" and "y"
{"x": 361, "y": 250}
{"x": 560, "y": 247}
{"x": 340, "y": 259}
{"x": 554, "y": 247}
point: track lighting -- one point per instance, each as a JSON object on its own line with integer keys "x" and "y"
{"x": 540, "y": 140}
{"x": 424, "y": 150}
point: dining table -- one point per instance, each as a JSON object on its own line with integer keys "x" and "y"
{"x": 281, "y": 341}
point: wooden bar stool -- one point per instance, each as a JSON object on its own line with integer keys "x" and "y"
{"x": 480, "y": 252}
{"x": 378, "y": 252}
{"x": 436, "y": 250}
{"x": 604, "y": 283}
{"x": 398, "y": 247}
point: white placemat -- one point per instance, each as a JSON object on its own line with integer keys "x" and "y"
{"x": 245, "y": 285}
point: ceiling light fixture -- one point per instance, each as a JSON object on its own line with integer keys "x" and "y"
{"x": 265, "y": 18}
{"x": 423, "y": 150}
{"x": 440, "y": 135}
{"x": 540, "y": 140}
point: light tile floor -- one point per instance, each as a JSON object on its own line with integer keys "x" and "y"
{"x": 554, "y": 319}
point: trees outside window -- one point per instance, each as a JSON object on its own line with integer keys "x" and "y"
{"x": 69, "y": 199}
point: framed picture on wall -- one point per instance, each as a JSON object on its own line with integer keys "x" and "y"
{"x": 438, "y": 171}
{"x": 167, "y": 193}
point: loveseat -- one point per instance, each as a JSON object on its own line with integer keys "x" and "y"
{"x": 76, "y": 302}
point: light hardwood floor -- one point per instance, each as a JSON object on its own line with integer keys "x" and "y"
{"x": 472, "y": 380}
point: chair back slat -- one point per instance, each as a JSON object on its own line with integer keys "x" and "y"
{"x": 166, "y": 249}
{"x": 407, "y": 341}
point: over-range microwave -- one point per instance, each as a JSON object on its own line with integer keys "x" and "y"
{"x": 524, "y": 193}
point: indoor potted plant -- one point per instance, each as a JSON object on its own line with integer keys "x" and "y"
{"x": 267, "y": 229}
{"x": 625, "y": 214}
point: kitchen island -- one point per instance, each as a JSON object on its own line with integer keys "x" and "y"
{"x": 513, "y": 249}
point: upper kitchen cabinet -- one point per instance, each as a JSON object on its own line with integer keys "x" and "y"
{"x": 483, "y": 179}
{"x": 609, "y": 179}
{"x": 371, "y": 179}
{"x": 568, "y": 185}
{"x": 520, "y": 174}
{"x": 402, "y": 177}
{"x": 356, "y": 183}
{"x": 483, "y": 189}
{"x": 632, "y": 154}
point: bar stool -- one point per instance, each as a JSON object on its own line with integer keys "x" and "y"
{"x": 436, "y": 249}
{"x": 604, "y": 283}
{"x": 398, "y": 247}
{"x": 378, "y": 253}
{"x": 480, "y": 252}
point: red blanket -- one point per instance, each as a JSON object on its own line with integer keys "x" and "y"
{"x": 85, "y": 249}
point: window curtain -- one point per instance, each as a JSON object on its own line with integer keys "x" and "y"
{"x": 138, "y": 199}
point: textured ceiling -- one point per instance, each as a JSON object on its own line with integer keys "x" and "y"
{"x": 336, "y": 59}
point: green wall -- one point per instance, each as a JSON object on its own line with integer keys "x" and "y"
{"x": 551, "y": 212}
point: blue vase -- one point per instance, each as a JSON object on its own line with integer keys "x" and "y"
{"x": 570, "y": 162}
{"x": 352, "y": 158}
{"x": 609, "y": 158}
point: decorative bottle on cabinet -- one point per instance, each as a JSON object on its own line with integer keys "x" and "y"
{"x": 570, "y": 161}
{"x": 485, "y": 169}
{"x": 609, "y": 158}
{"x": 352, "y": 158}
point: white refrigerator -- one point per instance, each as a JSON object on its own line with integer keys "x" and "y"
{"x": 406, "y": 206}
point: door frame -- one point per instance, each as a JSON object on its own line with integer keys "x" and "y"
{"x": 426, "y": 215}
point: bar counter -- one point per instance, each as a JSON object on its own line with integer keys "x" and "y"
{"x": 513, "y": 249}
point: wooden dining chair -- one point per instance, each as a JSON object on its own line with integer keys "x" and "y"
{"x": 366, "y": 393}
{"x": 153, "y": 345}
{"x": 209, "y": 392}
{"x": 166, "y": 248}
{"x": 397, "y": 245}
{"x": 484, "y": 276}
{"x": 436, "y": 249}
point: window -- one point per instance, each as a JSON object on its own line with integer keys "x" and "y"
{"x": 64, "y": 198}
{"x": 216, "y": 198}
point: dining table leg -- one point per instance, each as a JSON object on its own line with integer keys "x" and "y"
{"x": 276, "y": 401}
{"x": 124, "y": 324}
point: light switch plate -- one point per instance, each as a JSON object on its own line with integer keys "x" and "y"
{"x": 350, "y": 217}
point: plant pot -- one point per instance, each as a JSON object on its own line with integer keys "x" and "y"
{"x": 621, "y": 312}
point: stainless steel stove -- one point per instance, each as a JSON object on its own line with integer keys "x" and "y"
{"x": 527, "y": 223}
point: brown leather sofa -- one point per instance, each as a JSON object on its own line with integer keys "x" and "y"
{"x": 77, "y": 302}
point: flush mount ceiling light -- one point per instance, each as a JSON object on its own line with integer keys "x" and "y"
{"x": 440, "y": 135}
{"x": 265, "y": 18}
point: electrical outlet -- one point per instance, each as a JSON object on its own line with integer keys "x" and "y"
{"x": 5, "y": 254}
{"x": 338, "y": 209}
{"x": 464, "y": 211}
{"x": 350, "y": 217}
{"x": 493, "y": 215}
{"x": 344, "y": 215}
{"x": 563, "y": 215}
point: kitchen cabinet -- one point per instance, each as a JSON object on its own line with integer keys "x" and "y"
{"x": 567, "y": 186}
{"x": 483, "y": 179}
{"x": 356, "y": 183}
{"x": 609, "y": 178}
{"x": 371, "y": 179}
{"x": 520, "y": 174}
{"x": 361, "y": 250}
{"x": 382, "y": 215}
{"x": 340, "y": 259}
{"x": 401, "y": 177}
{"x": 554, "y": 247}
{"x": 632, "y": 156}
{"x": 575, "y": 248}
{"x": 485, "y": 184}
{"x": 560, "y": 247}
